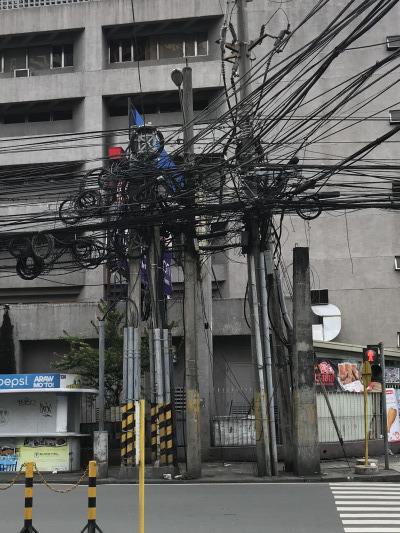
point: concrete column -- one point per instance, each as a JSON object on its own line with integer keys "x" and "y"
{"x": 62, "y": 413}
{"x": 100, "y": 452}
{"x": 306, "y": 444}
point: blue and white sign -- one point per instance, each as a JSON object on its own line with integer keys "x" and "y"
{"x": 29, "y": 381}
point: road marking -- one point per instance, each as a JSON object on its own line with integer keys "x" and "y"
{"x": 369, "y": 508}
{"x": 378, "y": 522}
{"x": 364, "y": 491}
{"x": 356, "y": 496}
{"x": 371, "y": 530}
{"x": 359, "y": 502}
{"x": 369, "y": 515}
{"x": 351, "y": 502}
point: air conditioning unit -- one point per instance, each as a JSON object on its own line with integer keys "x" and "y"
{"x": 394, "y": 116}
{"x": 22, "y": 73}
{"x": 393, "y": 42}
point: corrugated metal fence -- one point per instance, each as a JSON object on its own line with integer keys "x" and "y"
{"x": 348, "y": 408}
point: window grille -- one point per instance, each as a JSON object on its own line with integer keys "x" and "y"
{"x": 23, "y": 4}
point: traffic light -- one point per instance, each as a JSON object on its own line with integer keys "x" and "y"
{"x": 371, "y": 354}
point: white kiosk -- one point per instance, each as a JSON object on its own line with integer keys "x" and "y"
{"x": 40, "y": 421}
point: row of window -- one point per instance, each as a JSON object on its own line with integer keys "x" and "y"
{"x": 153, "y": 108}
{"x": 13, "y": 60}
{"x": 36, "y": 58}
{"x": 158, "y": 47}
{"x": 36, "y": 116}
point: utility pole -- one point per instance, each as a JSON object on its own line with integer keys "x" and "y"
{"x": 283, "y": 374}
{"x": 193, "y": 439}
{"x": 260, "y": 399}
{"x": 306, "y": 443}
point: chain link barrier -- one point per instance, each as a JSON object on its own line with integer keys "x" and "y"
{"x": 65, "y": 491}
{"x": 15, "y": 479}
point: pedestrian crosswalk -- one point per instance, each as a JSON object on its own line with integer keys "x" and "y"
{"x": 368, "y": 507}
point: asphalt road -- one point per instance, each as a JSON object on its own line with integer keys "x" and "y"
{"x": 211, "y": 508}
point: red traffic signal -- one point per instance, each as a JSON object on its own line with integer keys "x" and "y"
{"x": 371, "y": 354}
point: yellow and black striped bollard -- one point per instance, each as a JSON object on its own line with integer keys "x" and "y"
{"x": 28, "y": 527}
{"x": 168, "y": 434}
{"x": 162, "y": 433}
{"x": 153, "y": 420}
{"x": 91, "y": 526}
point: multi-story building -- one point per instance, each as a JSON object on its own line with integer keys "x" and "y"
{"x": 67, "y": 69}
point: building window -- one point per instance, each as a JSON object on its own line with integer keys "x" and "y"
{"x": 319, "y": 297}
{"x": 62, "y": 56}
{"x": 37, "y": 116}
{"x": 39, "y": 58}
{"x": 395, "y": 191}
{"x": 36, "y": 58}
{"x": 158, "y": 47}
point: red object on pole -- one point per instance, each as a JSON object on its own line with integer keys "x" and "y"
{"x": 116, "y": 152}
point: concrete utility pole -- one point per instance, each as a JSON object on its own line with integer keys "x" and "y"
{"x": 260, "y": 399}
{"x": 306, "y": 443}
{"x": 191, "y": 289}
{"x": 283, "y": 376}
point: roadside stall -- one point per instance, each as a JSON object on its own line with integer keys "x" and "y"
{"x": 40, "y": 421}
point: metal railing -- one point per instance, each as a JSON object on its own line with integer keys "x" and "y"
{"x": 23, "y": 4}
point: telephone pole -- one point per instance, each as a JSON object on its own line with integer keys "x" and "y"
{"x": 191, "y": 283}
{"x": 305, "y": 427}
{"x": 260, "y": 397}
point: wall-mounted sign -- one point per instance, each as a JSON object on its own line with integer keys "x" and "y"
{"x": 42, "y": 382}
{"x": 29, "y": 381}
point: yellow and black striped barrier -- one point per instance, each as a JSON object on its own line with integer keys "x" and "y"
{"x": 153, "y": 421}
{"x": 91, "y": 526}
{"x": 162, "y": 433}
{"x": 168, "y": 434}
{"x": 127, "y": 436}
{"x": 28, "y": 527}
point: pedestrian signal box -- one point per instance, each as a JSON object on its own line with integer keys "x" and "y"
{"x": 371, "y": 355}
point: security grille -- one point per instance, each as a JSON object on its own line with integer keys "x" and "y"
{"x": 22, "y": 4}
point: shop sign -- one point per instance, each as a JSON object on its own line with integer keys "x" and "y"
{"x": 29, "y": 381}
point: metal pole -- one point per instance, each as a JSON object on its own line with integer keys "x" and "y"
{"x": 125, "y": 367}
{"x": 129, "y": 395}
{"x": 101, "y": 374}
{"x": 259, "y": 356}
{"x": 136, "y": 364}
{"x": 384, "y": 411}
{"x": 268, "y": 363}
{"x": 159, "y": 390}
{"x": 141, "y": 467}
{"x": 167, "y": 377}
{"x": 245, "y": 120}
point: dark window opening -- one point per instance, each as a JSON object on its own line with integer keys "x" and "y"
{"x": 64, "y": 114}
{"x": 319, "y": 297}
{"x": 41, "y": 116}
{"x": 16, "y": 118}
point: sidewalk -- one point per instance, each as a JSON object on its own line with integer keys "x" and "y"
{"x": 338, "y": 470}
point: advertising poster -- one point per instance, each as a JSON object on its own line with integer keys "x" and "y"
{"x": 49, "y": 454}
{"x": 393, "y": 421}
{"x": 339, "y": 375}
{"x": 326, "y": 375}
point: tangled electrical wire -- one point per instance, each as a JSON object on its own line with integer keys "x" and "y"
{"x": 283, "y": 149}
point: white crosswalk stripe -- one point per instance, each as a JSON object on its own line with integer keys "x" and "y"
{"x": 368, "y": 507}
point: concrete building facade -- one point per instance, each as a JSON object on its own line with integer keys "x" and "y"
{"x": 67, "y": 70}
